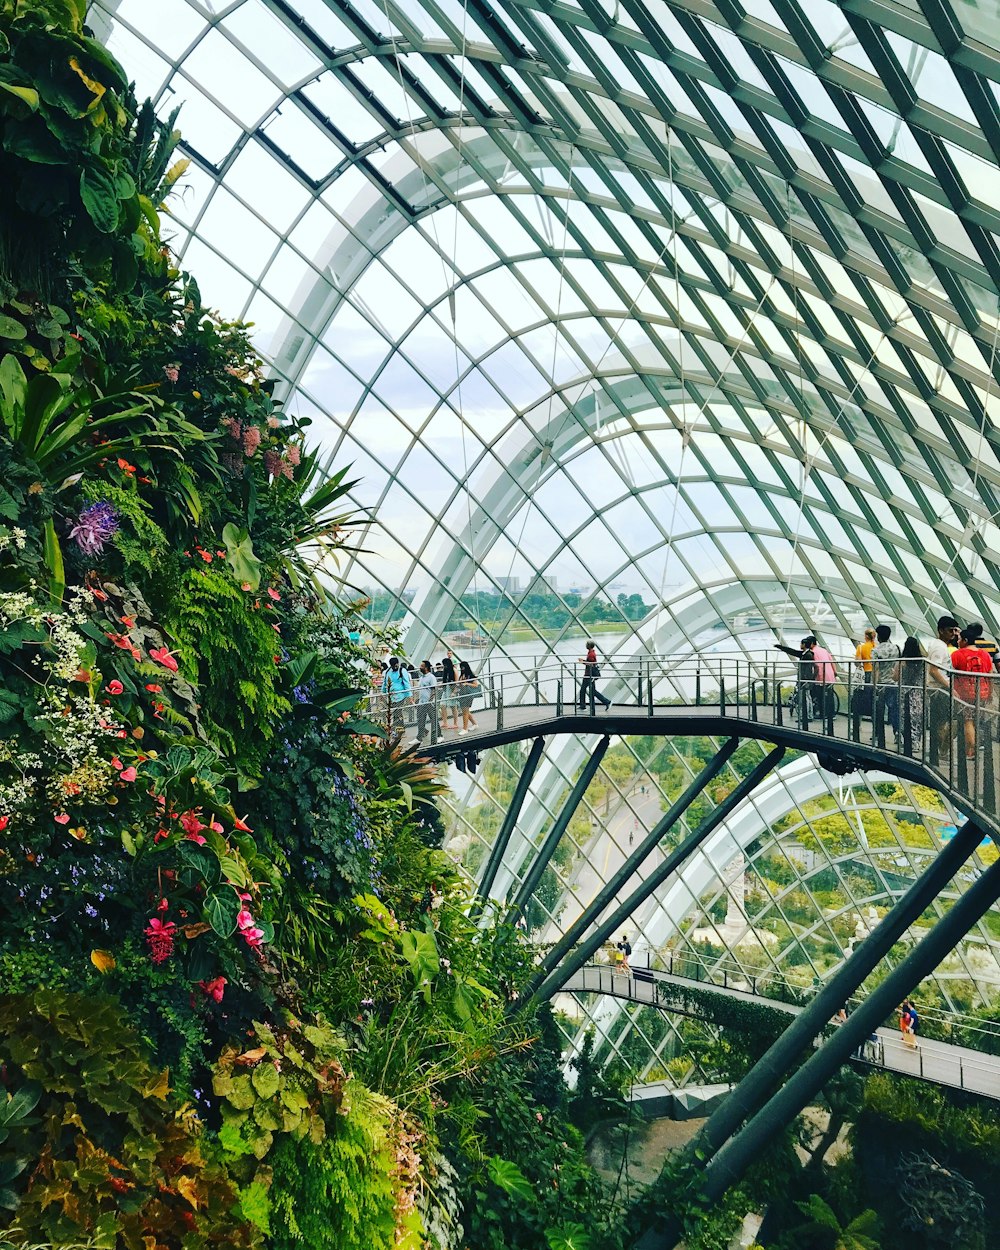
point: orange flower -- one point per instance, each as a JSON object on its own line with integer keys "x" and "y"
{"x": 125, "y": 466}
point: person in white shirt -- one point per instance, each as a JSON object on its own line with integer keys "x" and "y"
{"x": 426, "y": 704}
{"x": 939, "y": 651}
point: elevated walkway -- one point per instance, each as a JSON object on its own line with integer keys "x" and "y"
{"x": 941, "y": 1063}
{"x": 752, "y": 699}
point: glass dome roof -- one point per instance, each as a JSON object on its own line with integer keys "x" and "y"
{"x": 691, "y": 300}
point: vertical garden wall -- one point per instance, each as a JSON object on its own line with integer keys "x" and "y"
{"x": 241, "y": 1003}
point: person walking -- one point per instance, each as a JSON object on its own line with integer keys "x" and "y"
{"x": 939, "y": 709}
{"x": 398, "y": 689}
{"x": 448, "y": 694}
{"x": 625, "y": 947}
{"x": 590, "y": 674}
{"x": 909, "y": 678}
{"x": 427, "y": 721}
{"x": 468, "y": 694}
{"x": 824, "y": 676}
{"x": 885, "y": 654}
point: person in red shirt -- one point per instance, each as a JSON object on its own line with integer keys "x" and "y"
{"x": 971, "y": 659}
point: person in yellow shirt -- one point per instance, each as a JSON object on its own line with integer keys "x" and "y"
{"x": 863, "y": 656}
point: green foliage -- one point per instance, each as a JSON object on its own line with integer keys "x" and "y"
{"x": 939, "y": 1203}
{"x": 341, "y": 1193}
{"x": 228, "y": 648}
{"x": 106, "y": 1150}
{"x": 63, "y": 143}
{"x": 291, "y": 1082}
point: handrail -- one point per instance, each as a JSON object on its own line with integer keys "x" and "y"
{"x": 673, "y": 961}
{"x": 947, "y": 721}
{"x": 915, "y": 1060}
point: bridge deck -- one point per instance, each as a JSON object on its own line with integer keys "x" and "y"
{"x": 941, "y": 1063}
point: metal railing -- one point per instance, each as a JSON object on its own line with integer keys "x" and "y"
{"x": 949, "y": 721}
{"x": 943, "y": 1061}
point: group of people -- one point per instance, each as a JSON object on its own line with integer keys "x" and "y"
{"x": 435, "y": 696}
{"x": 953, "y": 672}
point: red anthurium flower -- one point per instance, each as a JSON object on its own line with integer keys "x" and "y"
{"x": 115, "y": 687}
{"x": 61, "y": 819}
{"x": 205, "y": 555}
{"x": 116, "y": 763}
{"x": 274, "y": 594}
{"x": 153, "y": 688}
{"x": 214, "y": 989}
{"x": 128, "y": 774}
{"x": 190, "y": 823}
{"x": 127, "y": 621}
{"x": 241, "y": 825}
{"x": 4, "y": 821}
{"x": 162, "y": 656}
{"x": 98, "y": 594}
{"x": 215, "y": 827}
{"x": 121, "y": 641}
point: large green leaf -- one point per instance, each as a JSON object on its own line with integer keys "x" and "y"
{"x": 222, "y": 906}
{"x": 99, "y": 193}
{"x": 240, "y": 556}
{"x": 11, "y": 329}
{"x": 510, "y": 1178}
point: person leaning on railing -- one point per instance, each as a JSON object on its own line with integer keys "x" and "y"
{"x": 909, "y": 676}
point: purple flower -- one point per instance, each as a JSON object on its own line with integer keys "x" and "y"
{"x": 94, "y": 526}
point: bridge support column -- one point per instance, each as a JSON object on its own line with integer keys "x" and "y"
{"x": 750, "y": 1097}
{"x": 499, "y": 848}
{"x": 641, "y": 853}
{"x": 547, "y": 849}
{"x": 735, "y": 1157}
{"x": 673, "y": 861}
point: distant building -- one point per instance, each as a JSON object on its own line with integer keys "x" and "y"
{"x": 544, "y": 584}
{"x": 508, "y": 585}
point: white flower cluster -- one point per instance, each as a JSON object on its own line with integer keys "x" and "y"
{"x": 76, "y": 728}
{"x": 15, "y": 538}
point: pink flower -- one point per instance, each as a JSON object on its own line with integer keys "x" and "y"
{"x": 214, "y": 989}
{"x": 160, "y": 937}
{"x": 171, "y": 372}
{"x": 162, "y": 656}
{"x": 273, "y": 423}
{"x": 293, "y": 455}
{"x": 244, "y": 920}
{"x": 272, "y": 463}
{"x": 251, "y": 440}
{"x": 128, "y": 774}
{"x": 234, "y": 427}
{"x": 194, "y": 837}
{"x": 215, "y": 826}
{"x": 253, "y": 937}
{"x": 115, "y": 687}
{"x": 273, "y": 594}
{"x": 61, "y": 819}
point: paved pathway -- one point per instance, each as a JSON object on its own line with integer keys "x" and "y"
{"x": 938, "y": 1062}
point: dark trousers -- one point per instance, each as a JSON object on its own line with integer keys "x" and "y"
{"x": 585, "y": 688}
{"x": 427, "y": 720}
{"x": 886, "y": 705}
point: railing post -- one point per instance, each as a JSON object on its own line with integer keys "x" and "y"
{"x": 697, "y": 687}
{"x": 500, "y": 705}
{"x": 538, "y": 690}
{"x": 559, "y": 697}
{"x": 649, "y": 691}
{"x": 779, "y": 708}
{"x": 638, "y": 685}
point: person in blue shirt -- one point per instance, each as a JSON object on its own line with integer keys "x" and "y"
{"x": 397, "y": 686}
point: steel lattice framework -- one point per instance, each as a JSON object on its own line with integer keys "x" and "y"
{"x": 693, "y": 296}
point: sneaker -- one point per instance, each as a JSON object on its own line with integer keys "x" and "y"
{"x": 415, "y": 742}
{"x": 463, "y": 731}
